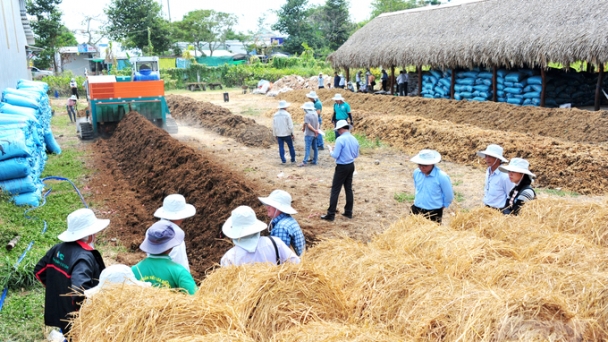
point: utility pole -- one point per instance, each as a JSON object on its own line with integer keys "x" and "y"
{"x": 169, "y": 10}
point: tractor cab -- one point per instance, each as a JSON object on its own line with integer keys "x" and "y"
{"x": 145, "y": 69}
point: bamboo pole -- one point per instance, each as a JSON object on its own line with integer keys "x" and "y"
{"x": 392, "y": 79}
{"x": 419, "y": 68}
{"x": 598, "y": 88}
{"x": 544, "y": 86}
{"x": 494, "y": 85}
{"x": 452, "y": 83}
{"x": 347, "y": 72}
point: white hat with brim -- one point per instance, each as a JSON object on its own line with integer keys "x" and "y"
{"x": 115, "y": 275}
{"x": 518, "y": 165}
{"x": 82, "y": 223}
{"x": 312, "y": 95}
{"x": 342, "y": 124}
{"x": 73, "y": 97}
{"x": 493, "y": 151}
{"x": 426, "y": 157}
{"x": 279, "y": 199}
{"x": 242, "y": 222}
{"x": 283, "y": 104}
{"x": 175, "y": 208}
{"x": 338, "y": 97}
{"x": 161, "y": 237}
{"x": 308, "y": 106}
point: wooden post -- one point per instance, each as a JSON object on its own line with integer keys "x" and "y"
{"x": 392, "y": 79}
{"x": 419, "y": 80}
{"x": 544, "y": 86}
{"x": 598, "y": 89}
{"x": 452, "y": 83}
{"x": 494, "y": 85}
{"x": 347, "y": 72}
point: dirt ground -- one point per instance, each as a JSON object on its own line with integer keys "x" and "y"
{"x": 216, "y": 172}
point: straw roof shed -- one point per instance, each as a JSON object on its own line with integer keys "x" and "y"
{"x": 509, "y": 33}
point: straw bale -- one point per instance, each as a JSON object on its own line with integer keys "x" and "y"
{"x": 336, "y": 332}
{"x": 271, "y": 299}
{"x": 133, "y": 313}
{"x": 229, "y": 336}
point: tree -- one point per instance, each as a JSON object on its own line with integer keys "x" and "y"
{"x": 138, "y": 24}
{"x": 206, "y": 26}
{"x": 383, "y": 6}
{"x": 47, "y": 28}
{"x": 294, "y": 20}
{"x": 335, "y": 24}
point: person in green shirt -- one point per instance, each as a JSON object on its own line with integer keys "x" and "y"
{"x": 341, "y": 111}
{"x": 158, "y": 268}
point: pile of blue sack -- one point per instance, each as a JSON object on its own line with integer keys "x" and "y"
{"x": 25, "y": 139}
{"x": 436, "y": 84}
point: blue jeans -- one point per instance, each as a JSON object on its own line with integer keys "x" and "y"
{"x": 292, "y": 152}
{"x": 320, "y": 142}
{"x": 311, "y": 141}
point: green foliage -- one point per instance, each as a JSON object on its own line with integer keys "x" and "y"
{"x": 335, "y": 25}
{"x": 21, "y": 318}
{"x": 403, "y": 197}
{"x": 459, "y": 197}
{"x": 206, "y": 26}
{"x": 383, "y": 6}
{"x": 49, "y": 31}
{"x": 129, "y": 21}
{"x": 364, "y": 142}
{"x": 294, "y": 21}
{"x": 61, "y": 83}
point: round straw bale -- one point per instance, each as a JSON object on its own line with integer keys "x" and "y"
{"x": 336, "y": 332}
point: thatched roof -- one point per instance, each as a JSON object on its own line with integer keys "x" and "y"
{"x": 508, "y": 33}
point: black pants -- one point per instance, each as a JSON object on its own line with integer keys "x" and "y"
{"x": 403, "y": 89}
{"x": 343, "y": 175}
{"x": 384, "y": 82}
{"x": 434, "y": 214}
{"x": 75, "y": 92}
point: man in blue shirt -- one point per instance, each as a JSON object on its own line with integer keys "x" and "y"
{"x": 314, "y": 98}
{"x": 433, "y": 186}
{"x": 345, "y": 153}
{"x": 341, "y": 111}
{"x": 498, "y": 185}
{"x": 282, "y": 224}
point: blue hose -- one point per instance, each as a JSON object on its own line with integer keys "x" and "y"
{"x": 45, "y": 225}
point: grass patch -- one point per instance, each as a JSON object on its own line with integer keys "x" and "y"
{"x": 250, "y": 169}
{"x": 457, "y": 183}
{"x": 364, "y": 142}
{"x": 252, "y": 111}
{"x": 459, "y": 197}
{"x": 403, "y": 197}
{"x": 558, "y": 192}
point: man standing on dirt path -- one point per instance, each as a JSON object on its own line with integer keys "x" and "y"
{"x": 402, "y": 81}
{"x": 282, "y": 224}
{"x": 174, "y": 211}
{"x": 282, "y": 128}
{"x": 158, "y": 268}
{"x": 336, "y": 80}
{"x": 311, "y": 131}
{"x": 345, "y": 153}
{"x": 71, "y": 265}
{"x": 244, "y": 229}
{"x": 433, "y": 186}
{"x": 341, "y": 111}
{"x": 312, "y": 97}
{"x": 498, "y": 185}
{"x": 321, "y": 84}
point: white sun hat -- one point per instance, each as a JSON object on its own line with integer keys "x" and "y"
{"x": 73, "y": 97}
{"x": 340, "y": 124}
{"x": 115, "y": 274}
{"x": 283, "y": 104}
{"x": 82, "y": 223}
{"x": 312, "y": 95}
{"x": 426, "y": 157}
{"x": 493, "y": 150}
{"x": 160, "y": 237}
{"x": 518, "y": 165}
{"x": 242, "y": 222}
{"x": 279, "y": 199}
{"x": 175, "y": 208}
{"x": 338, "y": 97}
{"x": 308, "y": 106}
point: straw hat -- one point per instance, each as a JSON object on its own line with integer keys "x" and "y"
{"x": 242, "y": 222}
{"x": 341, "y": 124}
{"x": 308, "y": 106}
{"x": 115, "y": 274}
{"x": 518, "y": 165}
{"x": 175, "y": 208}
{"x": 279, "y": 199}
{"x": 426, "y": 157}
{"x": 284, "y": 104}
{"x": 493, "y": 151}
{"x": 338, "y": 97}
{"x": 73, "y": 97}
{"x": 161, "y": 237}
{"x": 82, "y": 223}
{"x": 312, "y": 95}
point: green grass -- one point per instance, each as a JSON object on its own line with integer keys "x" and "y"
{"x": 459, "y": 197}
{"x": 364, "y": 142}
{"x": 556, "y": 192}
{"x": 457, "y": 183}
{"x": 403, "y": 197}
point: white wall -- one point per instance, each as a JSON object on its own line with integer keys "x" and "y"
{"x": 13, "y": 57}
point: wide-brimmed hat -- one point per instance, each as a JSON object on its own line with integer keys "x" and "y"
{"x": 283, "y": 104}
{"x": 308, "y": 106}
{"x": 115, "y": 274}
{"x": 161, "y": 237}
{"x": 338, "y": 97}
{"x": 342, "y": 124}
{"x": 242, "y": 222}
{"x": 493, "y": 151}
{"x": 175, "y": 208}
{"x": 426, "y": 157}
{"x": 82, "y": 223}
{"x": 518, "y": 165}
{"x": 312, "y": 95}
{"x": 279, "y": 199}
{"x": 73, "y": 97}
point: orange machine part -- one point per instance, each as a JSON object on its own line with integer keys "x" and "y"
{"x": 127, "y": 89}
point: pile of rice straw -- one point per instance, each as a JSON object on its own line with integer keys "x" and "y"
{"x": 537, "y": 277}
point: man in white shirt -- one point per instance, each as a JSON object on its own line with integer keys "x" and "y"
{"x": 282, "y": 129}
{"x": 175, "y": 210}
{"x": 497, "y": 185}
{"x": 402, "y": 81}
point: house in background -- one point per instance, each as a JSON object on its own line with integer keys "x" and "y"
{"x": 15, "y": 43}
{"x": 76, "y": 58}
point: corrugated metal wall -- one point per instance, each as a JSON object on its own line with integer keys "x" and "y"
{"x": 13, "y": 57}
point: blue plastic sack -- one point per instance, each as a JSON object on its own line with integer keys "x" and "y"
{"x": 16, "y": 110}
{"x": 457, "y": 96}
{"x": 436, "y": 73}
{"x": 460, "y": 88}
{"x": 15, "y": 168}
{"x": 28, "y": 198}
{"x": 502, "y": 99}
{"x": 465, "y": 81}
{"x": 428, "y": 96}
{"x": 513, "y": 77}
{"x": 21, "y": 101}
{"x": 520, "y": 84}
{"x": 466, "y": 95}
{"x": 535, "y": 80}
{"x": 515, "y": 101}
{"x": 43, "y": 86}
{"x": 34, "y": 95}
{"x": 20, "y": 185}
{"x": 500, "y": 93}
{"x": 501, "y": 73}
{"x": 500, "y": 86}
{"x": 483, "y": 94}
{"x": 466, "y": 74}
{"x": 51, "y": 144}
{"x": 485, "y": 74}
{"x": 480, "y": 99}
{"x": 14, "y": 146}
{"x": 481, "y": 87}
{"x": 513, "y": 90}
{"x": 531, "y": 95}
{"x": 445, "y": 82}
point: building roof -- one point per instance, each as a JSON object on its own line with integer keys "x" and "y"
{"x": 510, "y": 33}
